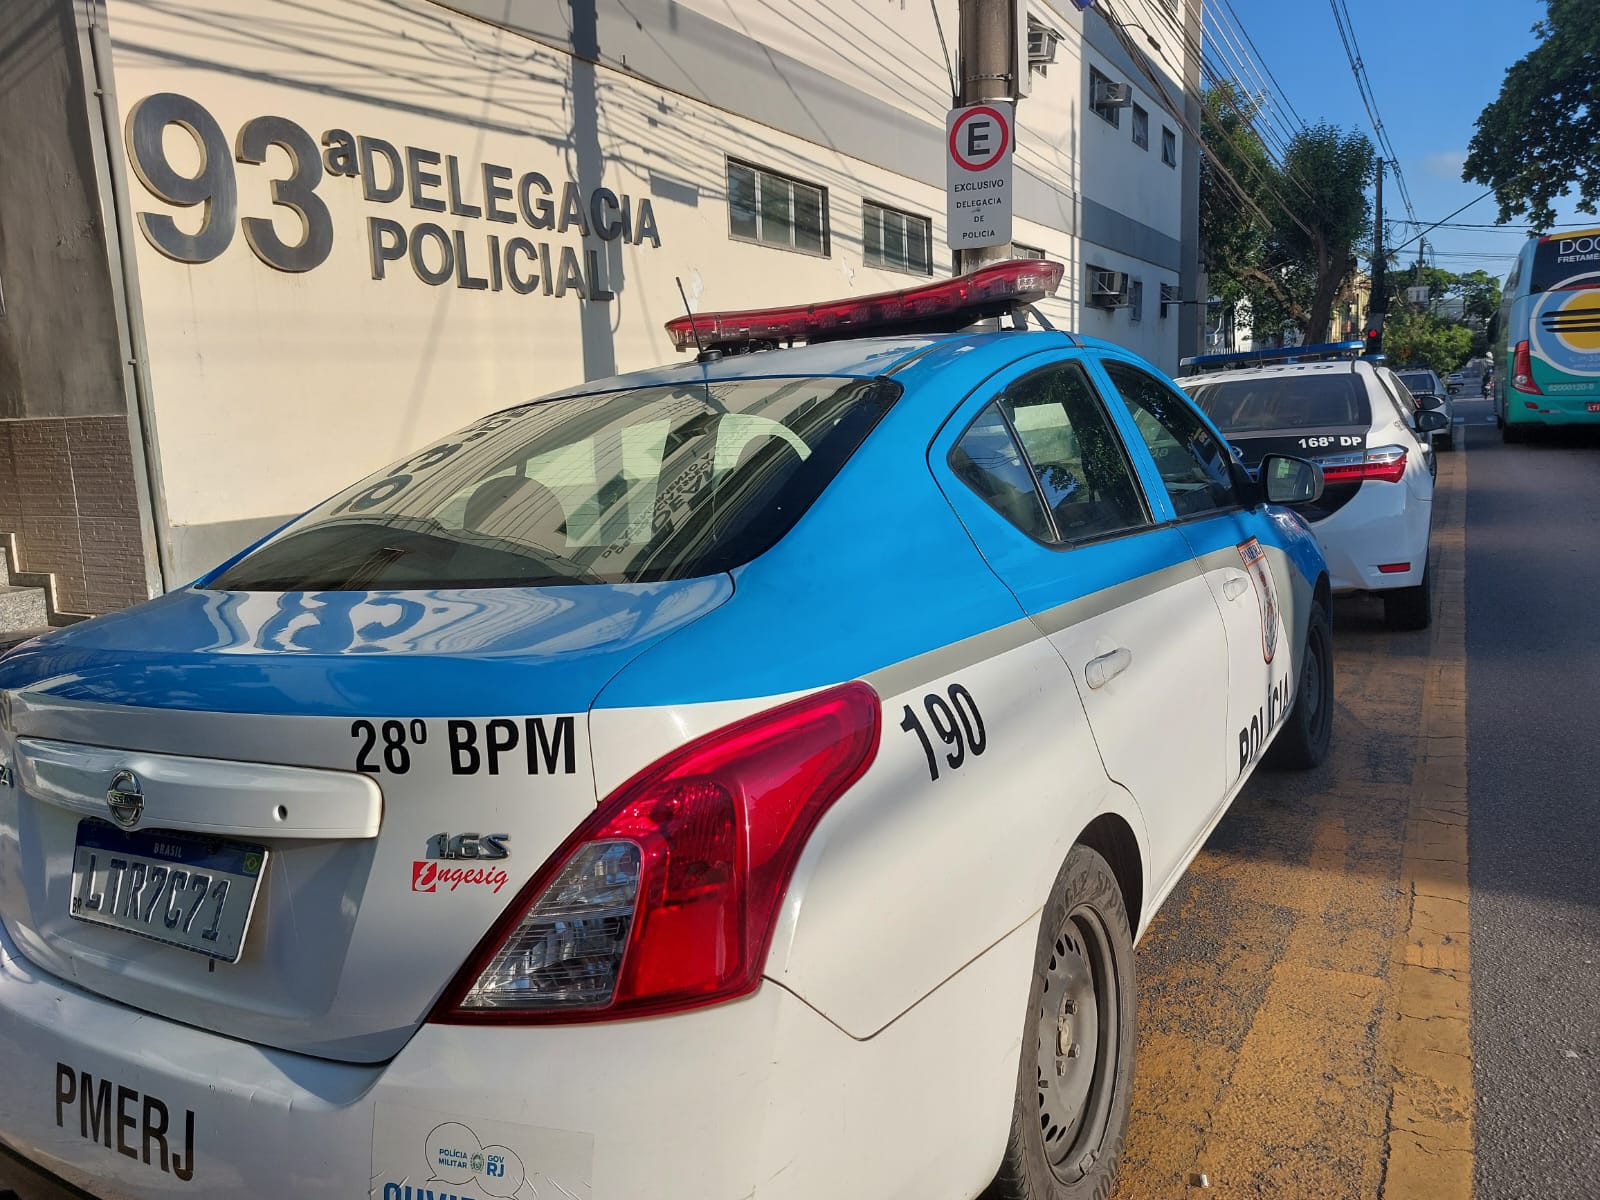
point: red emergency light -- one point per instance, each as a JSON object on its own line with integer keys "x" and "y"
{"x": 986, "y": 292}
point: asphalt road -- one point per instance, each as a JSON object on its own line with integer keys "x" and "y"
{"x": 1533, "y": 737}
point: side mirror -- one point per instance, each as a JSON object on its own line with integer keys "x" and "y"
{"x": 1429, "y": 421}
{"x": 1286, "y": 480}
{"x": 1428, "y": 400}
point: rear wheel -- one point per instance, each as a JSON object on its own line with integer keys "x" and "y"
{"x": 1075, "y": 1087}
{"x": 1412, "y": 607}
{"x": 1303, "y": 741}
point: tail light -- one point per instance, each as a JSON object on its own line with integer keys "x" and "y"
{"x": 1522, "y": 371}
{"x": 1384, "y": 463}
{"x": 667, "y": 896}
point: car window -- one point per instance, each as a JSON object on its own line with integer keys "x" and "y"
{"x": 1255, "y": 404}
{"x": 989, "y": 461}
{"x": 1076, "y": 467}
{"x": 1088, "y": 484}
{"x": 1192, "y": 461}
{"x": 631, "y": 486}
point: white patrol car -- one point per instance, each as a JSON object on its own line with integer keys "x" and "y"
{"x": 741, "y": 779}
{"x": 1351, "y": 416}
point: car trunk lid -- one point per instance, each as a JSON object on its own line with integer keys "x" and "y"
{"x": 374, "y": 775}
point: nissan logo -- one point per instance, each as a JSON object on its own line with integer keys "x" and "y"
{"x": 124, "y": 799}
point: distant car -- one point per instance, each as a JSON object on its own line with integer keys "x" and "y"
{"x": 1456, "y": 382}
{"x": 1421, "y": 383}
{"x": 743, "y": 777}
{"x": 1355, "y": 418}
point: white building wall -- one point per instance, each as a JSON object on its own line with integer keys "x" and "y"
{"x": 268, "y": 389}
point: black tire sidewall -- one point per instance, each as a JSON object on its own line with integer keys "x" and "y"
{"x": 1085, "y": 879}
{"x": 1295, "y": 747}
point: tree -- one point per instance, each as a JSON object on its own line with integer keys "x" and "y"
{"x": 1537, "y": 140}
{"x": 1481, "y": 291}
{"x": 1420, "y": 340}
{"x": 1280, "y": 239}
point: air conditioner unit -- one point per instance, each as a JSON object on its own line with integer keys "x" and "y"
{"x": 1108, "y": 289}
{"x": 1042, "y": 42}
{"x": 1109, "y": 94}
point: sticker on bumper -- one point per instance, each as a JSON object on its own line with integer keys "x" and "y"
{"x": 418, "y": 1153}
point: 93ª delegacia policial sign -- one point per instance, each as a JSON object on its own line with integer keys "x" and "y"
{"x": 490, "y": 245}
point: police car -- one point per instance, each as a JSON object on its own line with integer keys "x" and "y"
{"x": 743, "y": 778}
{"x": 1352, "y": 416}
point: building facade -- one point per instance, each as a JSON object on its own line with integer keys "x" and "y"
{"x": 256, "y": 250}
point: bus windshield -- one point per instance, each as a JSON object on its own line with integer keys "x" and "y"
{"x": 1565, "y": 260}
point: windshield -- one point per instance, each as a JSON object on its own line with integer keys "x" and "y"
{"x": 1254, "y": 404}
{"x": 1566, "y": 260}
{"x": 1418, "y": 382}
{"x": 625, "y": 487}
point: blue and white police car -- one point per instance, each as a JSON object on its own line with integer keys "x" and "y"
{"x": 743, "y": 778}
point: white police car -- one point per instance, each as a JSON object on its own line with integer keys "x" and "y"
{"x": 1351, "y": 416}
{"x": 744, "y": 778}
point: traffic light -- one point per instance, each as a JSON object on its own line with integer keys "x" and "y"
{"x": 1374, "y": 340}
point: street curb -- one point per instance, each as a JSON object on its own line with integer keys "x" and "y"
{"x": 1427, "y": 1036}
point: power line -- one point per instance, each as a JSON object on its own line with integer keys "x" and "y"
{"x": 1352, "y": 50}
{"x": 1263, "y": 60}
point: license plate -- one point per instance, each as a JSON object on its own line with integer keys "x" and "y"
{"x": 1594, "y": 406}
{"x": 196, "y": 893}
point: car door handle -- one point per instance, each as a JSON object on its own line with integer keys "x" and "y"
{"x": 1235, "y": 586}
{"x": 1101, "y": 670}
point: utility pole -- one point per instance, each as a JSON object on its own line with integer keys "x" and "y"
{"x": 1379, "y": 304}
{"x": 985, "y": 50}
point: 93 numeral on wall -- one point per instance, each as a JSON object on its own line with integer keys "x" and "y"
{"x": 214, "y": 190}
{"x": 956, "y": 721}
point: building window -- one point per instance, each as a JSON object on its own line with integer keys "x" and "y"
{"x": 1136, "y": 301}
{"x": 775, "y": 210}
{"x": 1141, "y": 128}
{"x": 1022, "y": 250}
{"x": 899, "y": 240}
{"x": 1169, "y": 147}
{"x": 1105, "y": 97}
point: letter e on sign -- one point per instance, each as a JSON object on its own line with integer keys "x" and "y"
{"x": 978, "y": 142}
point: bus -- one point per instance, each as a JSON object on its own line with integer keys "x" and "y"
{"x": 1547, "y": 336}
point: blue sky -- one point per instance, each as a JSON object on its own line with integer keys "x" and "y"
{"x": 1434, "y": 65}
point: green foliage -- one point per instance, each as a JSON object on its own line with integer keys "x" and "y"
{"x": 1481, "y": 291}
{"x": 1286, "y": 246}
{"x": 1537, "y": 140}
{"x": 1419, "y": 340}
{"x": 1478, "y": 290}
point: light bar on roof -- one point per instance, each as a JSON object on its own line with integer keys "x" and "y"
{"x": 988, "y": 291}
{"x": 1276, "y": 354}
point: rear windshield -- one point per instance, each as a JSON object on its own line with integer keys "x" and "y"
{"x": 1566, "y": 259}
{"x": 1252, "y": 404}
{"x": 1418, "y": 382}
{"x": 625, "y": 487}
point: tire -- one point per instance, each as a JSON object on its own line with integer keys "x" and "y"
{"x": 1412, "y": 607}
{"x": 1069, "y": 1121}
{"x": 1303, "y": 741}
{"x": 1445, "y": 441}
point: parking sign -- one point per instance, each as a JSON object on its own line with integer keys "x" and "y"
{"x": 978, "y": 174}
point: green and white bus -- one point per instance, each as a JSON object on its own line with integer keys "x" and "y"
{"x": 1547, "y": 336}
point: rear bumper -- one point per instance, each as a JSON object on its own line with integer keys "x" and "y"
{"x": 1388, "y": 526}
{"x": 762, "y": 1097}
{"x": 1551, "y": 411}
